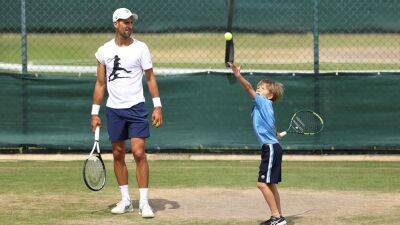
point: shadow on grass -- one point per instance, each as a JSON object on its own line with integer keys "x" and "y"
{"x": 157, "y": 204}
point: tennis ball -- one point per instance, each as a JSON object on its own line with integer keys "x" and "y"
{"x": 228, "y": 36}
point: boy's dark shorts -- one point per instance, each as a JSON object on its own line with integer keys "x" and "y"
{"x": 271, "y": 164}
{"x": 127, "y": 123}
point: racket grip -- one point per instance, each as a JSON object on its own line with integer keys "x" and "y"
{"x": 97, "y": 134}
{"x": 283, "y": 133}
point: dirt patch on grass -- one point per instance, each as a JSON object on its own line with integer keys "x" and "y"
{"x": 299, "y": 206}
{"x": 248, "y": 203}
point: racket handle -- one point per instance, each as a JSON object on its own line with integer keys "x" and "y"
{"x": 97, "y": 134}
{"x": 283, "y": 133}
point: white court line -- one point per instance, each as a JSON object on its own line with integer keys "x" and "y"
{"x": 157, "y": 70}
{"x": 163, "y": 71}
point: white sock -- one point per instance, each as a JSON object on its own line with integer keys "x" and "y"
{"x": 144, "y": 196}
{"x": 125, "y": 193}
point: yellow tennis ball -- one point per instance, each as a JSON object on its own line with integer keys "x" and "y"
{"x": 228, "y": 36}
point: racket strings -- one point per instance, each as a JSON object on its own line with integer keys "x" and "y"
{"x": 94, "y": 172}
{"x": 299, "y": 125}
{"x": 307, "y": 122}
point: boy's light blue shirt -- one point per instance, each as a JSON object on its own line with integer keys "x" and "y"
{"x": 264, "y": 120}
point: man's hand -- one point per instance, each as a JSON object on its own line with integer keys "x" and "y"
{"x": 156, "y": 117}
{"x": 96, "y": 122}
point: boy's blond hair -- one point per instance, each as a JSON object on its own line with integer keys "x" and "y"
{"x": 275, "y": 88}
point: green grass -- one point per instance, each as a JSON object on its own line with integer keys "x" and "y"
{"x": 65, "y": 177}
{"x": 49, "y": 192}
{"x": 206, "y": 50}
{"x": 371, "y": 219}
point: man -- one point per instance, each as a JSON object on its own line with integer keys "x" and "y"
{"x": 120, "y": 67}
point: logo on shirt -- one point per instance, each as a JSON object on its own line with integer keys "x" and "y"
{"x": 114, "y": 74}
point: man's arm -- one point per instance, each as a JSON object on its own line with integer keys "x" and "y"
{"x": 246, "y": 85}
{"x": 98, "y": 95}
{"x": 156, "y": 116}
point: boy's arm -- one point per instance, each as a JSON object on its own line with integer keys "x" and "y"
{"x": 246, "y": 85}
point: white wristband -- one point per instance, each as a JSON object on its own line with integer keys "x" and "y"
{"x": 157, "y": 102}
{"x": 95, "y": 109}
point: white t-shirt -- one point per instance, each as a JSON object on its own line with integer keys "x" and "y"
{"x": 124, "y": 72}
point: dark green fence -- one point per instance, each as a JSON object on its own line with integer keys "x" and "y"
{"x": 205, "y": 111}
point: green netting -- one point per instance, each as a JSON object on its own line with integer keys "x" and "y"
{"x": 361, "y": 111}
{"x": 205, "y": 15}
{"x": 61, "y": 37}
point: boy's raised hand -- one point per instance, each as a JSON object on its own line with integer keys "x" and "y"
{"x": 235, "y": 69}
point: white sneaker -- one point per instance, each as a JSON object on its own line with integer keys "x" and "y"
{"x": 146, "y": 211}
{"x": 122, "y": 207}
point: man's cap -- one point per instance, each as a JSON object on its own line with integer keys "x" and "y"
{"x": 123, "y": 13}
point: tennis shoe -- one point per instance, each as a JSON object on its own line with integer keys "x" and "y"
{"x": 275, "y": 221}
{"x": 122, "y": 207}
{"x": 146, "y": 211}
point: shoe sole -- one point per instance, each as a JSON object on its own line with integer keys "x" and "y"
{"x": 126, "y": 211}
{"x": 146, "y": 216}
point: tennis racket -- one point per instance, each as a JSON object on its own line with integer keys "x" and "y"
{"x": 229, "y": 48}
{"x": 305, "y": 122}
{"x": 94, "y": 171}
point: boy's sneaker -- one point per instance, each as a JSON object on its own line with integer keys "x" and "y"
{"x": 122, "y": 207}
{"x": 275, "y": 221}
{"x": 282, "y": 221}
{"x": 146, "y": 211}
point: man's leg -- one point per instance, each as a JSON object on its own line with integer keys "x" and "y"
{"x": 120, "y": 170}
{"x": 266, "y": 190}
{"x": 142, "y": 167}
{"x": 142, "y": 175}
{"x": 121, "y": 173}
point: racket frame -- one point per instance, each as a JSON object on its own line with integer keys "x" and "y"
{"x": 292, "y": 120}
{"x": 96, "y": 147}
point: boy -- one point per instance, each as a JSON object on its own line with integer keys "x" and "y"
{"x": 264, "y": 125}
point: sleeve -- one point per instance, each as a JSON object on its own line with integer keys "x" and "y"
{"x": 262, "y": 102}
{"x": 259, "y": 100}
{"x": 145, "y": 61}
{"x": 99, "y": 56}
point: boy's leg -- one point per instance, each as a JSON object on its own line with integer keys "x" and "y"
{"x": 274, "y": 189}
{"x": 266, "y": 190}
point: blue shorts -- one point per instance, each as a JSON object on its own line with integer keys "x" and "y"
{"x": 271, "y": 164}
{"x": 127, "y": 123}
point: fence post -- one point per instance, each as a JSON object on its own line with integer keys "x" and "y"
{"x": 316, "y": 36}
{"x": 24, "y": 70}
{"x": 316, "y": 60}
{"x": 24, "y": 52}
